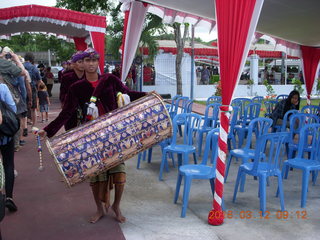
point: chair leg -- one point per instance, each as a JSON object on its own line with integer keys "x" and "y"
{"x": 172, "y": 158}
{"x": 149, "y": 155}
{"x": 262, "y": 190}
{"x": 280, "y": 189}
{"x": 144, "y": 155}
{"x": 243, "y": 182}
{"x": 285, "y": 171}
{"x": 186, "y": 191}
{"x": 228, "y": 166}
{"x": 212, "y": 186}
{"x": 305, "y": 180}
{"x": 314, "y": 177}
{"x": 200, "y": 138}
{"x": 178, "y": 185}
{"x": 139, "y": 159}
{"x": 195, "y": 158}
{"x": 237, "y": 184}
{"x": 179, "y": 159}
{"x": 163, "y": 161}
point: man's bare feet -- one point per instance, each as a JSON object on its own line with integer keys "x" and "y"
{"x": 95, "y": 218}
{"x": 120, "y": 218}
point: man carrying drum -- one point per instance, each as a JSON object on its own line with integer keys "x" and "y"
{"x": 103, "y": 89}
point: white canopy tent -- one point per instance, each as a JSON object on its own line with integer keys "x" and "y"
{"x": 292, "y": 23}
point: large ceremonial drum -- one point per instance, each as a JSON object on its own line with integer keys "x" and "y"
{"x": 109, "y": 140}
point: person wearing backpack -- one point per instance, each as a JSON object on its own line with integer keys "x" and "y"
{"x": 7, "y": 150}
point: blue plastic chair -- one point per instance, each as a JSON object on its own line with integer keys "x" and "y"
{"x": 260, "y": 126}
{"x": 270, "y": 105}
{"x": 200, "y": 171}
{"x": 186, "y": 108}
{"x": 286, "y": 118}
{"x": 210, "y": 122}
{"x": 281, "y": 97}
{"x": 143, "y": 155}
{"x": 241, "y": 103}
{"x": 176, "y": 103}
{"x": 251, "y": 112}
{"x": 297, "y": 121}
{"x": 257, "y": 99}
{"x": 213, "y": 99}
{"x": 183, "y": 150}
{"x": 232, "y": 133}
{"x": 265, "y": 165}
{"x": 309, "y": 139}
{"x": 312, "y": 109}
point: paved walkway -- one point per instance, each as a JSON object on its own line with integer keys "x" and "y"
{"x": 47, "y": 209}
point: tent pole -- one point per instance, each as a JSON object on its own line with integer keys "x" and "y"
{"x": 192, "y": 62}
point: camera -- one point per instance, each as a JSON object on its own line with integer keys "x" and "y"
{"x": 8, "y": 56}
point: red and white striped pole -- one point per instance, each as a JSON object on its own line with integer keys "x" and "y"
{"x": 216, "y": 216}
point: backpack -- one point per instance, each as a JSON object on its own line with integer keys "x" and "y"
{"x": 10, "y": 121}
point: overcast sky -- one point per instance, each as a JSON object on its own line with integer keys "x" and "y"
{"x": 12, "y": 3}
{"x": 199, "y": 32}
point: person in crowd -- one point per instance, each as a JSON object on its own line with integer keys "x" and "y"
{"x": 7, "y": 152}
{"x": 292, "y": 102}
{"x": 60, "y": 73}
{"x": 69, "y": 78}
{"x": 42, "y": 70}
{"x": 44, "y": 102}
{"x": 205, "y": 75}
{"x": 50, "y": 80}
{"x": 105, "y": 88}
{"x": 11, "y": 68}
{"x": 35, "y": 80}
{"x": 117, "y": 71}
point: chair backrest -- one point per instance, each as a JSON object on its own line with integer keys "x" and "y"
{"x": 251, "y": 112}
{"x": 214, "y": 99}
{"x": 179, "y": 101}
{"x": 211, "y": 115}
{"x": 310, "y": 138}
{"x": 286, "y": 118}
{"x": 297, "y": 121}
{"x": 281, "y": 97}
{"x": 259, "y": 126}
{"x": 241, "y": 103}
{"x": 233, "y": 119}
{"x": 270, "y": 105}
{"x": 187, "y": 106}
{"x": 257, "y": 99}
{"x": 268, "y": 149}
{"x": 313, "y": 109}
{"x": 191, "y": 123}
{"x": 173, "y": 102}
{"x": 211, "y": 144}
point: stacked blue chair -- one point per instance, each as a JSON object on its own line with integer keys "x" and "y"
{"x": 241, "y": 103}
{"x": 257, "y": 99}
{"x": 297, "y": 121}
{"x": 286, "y": 118}
{"x": 210, "y": 122}
{"x": 309, "y": 140}
{"x": 232, "y": 134}
{"x": 200, "y": 171}
{"x": 260, "y": 126}
{"x": 312, "y": 109}
{"x": 281, "y": 97}
{"x": 251, "y": 112}
{"x": 191, "y": 124}
{"x": 265, "y": 165}
{"x": 186, "y": 108}
{"x": 214, "y": 99}
{"x": 270, "y": 105}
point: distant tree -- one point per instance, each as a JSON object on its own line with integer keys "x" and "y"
{"x": 180, "y": 39}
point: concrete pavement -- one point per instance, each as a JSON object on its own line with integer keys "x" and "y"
{"x": 49, "y": 210}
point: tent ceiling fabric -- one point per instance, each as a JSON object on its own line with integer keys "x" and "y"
{"x": 36, "y": 18}
{"x": 292, "y": 20}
